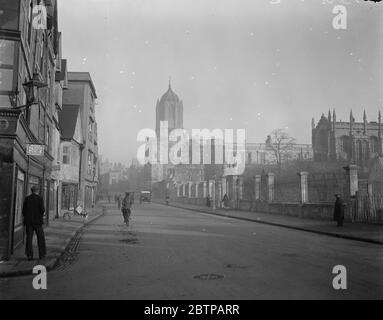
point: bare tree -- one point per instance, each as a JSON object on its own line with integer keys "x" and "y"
{"x": 281, "y": 144}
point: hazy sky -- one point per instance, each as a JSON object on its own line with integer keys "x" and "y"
{"x": 234, "y": 63}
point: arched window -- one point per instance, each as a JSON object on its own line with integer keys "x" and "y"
{"x": 374, "y": 145}
{"x": 345, "y": 144}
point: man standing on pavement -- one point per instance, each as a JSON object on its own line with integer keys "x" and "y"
{"x": 33, "y": 212}
{"x": 338, "y": 211}
{"x": 126, "y": 208}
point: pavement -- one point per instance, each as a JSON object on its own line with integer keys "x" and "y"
{"x": 58, "y": 236}
{"x": 170, "y": 253}
{"x": 372, "y": 233}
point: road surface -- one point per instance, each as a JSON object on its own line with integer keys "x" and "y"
{"x": 170, "y": 253}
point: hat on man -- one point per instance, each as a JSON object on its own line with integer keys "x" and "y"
{"x": 35, "y": 188}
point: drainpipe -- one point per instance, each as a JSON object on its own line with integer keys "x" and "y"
{"x": 80, "y": 170}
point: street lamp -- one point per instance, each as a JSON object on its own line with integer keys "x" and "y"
{"x": 31, "y": 88}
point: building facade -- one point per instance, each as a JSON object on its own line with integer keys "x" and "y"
{"x": 27, "y": 52}
{"x": 81, "y": 92}
{"x": 354, "y": 142}
{"x": 71, "y": 147}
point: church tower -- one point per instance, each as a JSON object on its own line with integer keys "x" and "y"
{"x": 169, "y": 108}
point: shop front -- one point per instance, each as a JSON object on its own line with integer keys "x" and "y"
{"x": 18, "y": 172}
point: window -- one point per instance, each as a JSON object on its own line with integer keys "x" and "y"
{"x": 48, "y": 139}
{"x": 90, "y": 162}
{"x": 94, "y": 166}
{"x": 29, "y": 17}
{"x": 374, "y": 143}
{"x": 90, "y": 129}
{"x": 66, "y": 155}
{"x": 345, "y": 145}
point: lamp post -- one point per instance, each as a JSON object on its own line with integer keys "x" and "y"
{"x": 31, "y": 88}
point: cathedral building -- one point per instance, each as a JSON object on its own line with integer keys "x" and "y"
{"x": 354, "y": 142}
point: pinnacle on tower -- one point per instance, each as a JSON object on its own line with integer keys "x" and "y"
{"x": 329, "y": 115}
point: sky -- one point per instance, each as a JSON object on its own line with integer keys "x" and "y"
{"x": 238, "y": 64}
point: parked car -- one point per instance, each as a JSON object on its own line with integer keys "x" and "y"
{"x": 145, "y": 196}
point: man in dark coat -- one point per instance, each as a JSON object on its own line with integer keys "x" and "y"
{"x": 338, "y": 211}
{"x": 33, "y": 212}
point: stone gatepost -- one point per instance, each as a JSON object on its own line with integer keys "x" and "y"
{"x": 234, "y": 187}
{"x": 270, "y": 186}
{"x": 196, "y": 189}
{"x": 204, "y": 189}
{"x": 224, "y": 190}
{"x": 304, "y": 186}
{"x": 190, "y": 189}
{"x": 183, "y": 189}
{"x": 257, "y": 187}
{"x": 220, "y": 195}
{"x": 240, "y": 187}
{"x": 178, "y": 190}
{"x": 352, "y": 176}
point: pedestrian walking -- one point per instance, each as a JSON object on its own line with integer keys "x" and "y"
{"x": 126, "y": 208}
{"x": 33, "y": 212}
{"x": 339, "y": 210}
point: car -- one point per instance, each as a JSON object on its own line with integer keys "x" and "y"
{"x": 145, "y": 196}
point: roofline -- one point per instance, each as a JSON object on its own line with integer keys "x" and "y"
{"x": 90, "y": 81}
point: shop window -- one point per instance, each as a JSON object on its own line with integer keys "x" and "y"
{"x": 20, "y": 182}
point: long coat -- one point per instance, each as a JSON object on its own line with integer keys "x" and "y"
{"x": 33, "y": 210}
{"x": 338, "y": 210}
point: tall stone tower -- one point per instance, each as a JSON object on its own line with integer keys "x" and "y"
{"x": 169, "y": 108}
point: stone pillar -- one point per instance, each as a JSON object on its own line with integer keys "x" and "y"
{"x": 240, "y": 187}
{"x": 220, "y": 195}
{"x": 204, "y": 189}
{"x": 213, "y": 194}
{"x": 352, "y": 175}
{"x": 304, "y": 186}
{"x": 196, "y": 189}
{"x": 224, "y": 191}
{"x": 178, "y": 190}
{"x": 270, "y": 186}
{"x": 190, "y": 189}
{"x": 257, "y": 187}
{"x": 234, "y": 188}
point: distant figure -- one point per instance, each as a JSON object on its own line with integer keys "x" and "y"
{"x": 33, "y": 212}
{"x": 119, "y": 201}
{"x": 167, "y": 199}
{"x": 339, "y": 210}
{"x": 126, "y": 208}
{"x": 225, "y": 200}
{"x": 208, "y": 201}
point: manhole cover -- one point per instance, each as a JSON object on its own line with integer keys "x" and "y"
{"x": 289, "y": 255}
{"x": 131, "y": 241}
{"x": 208, "y": 276}
{"x": 235, "y": 266}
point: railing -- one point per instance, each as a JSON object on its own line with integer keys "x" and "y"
{"x": 366, "y": 208}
